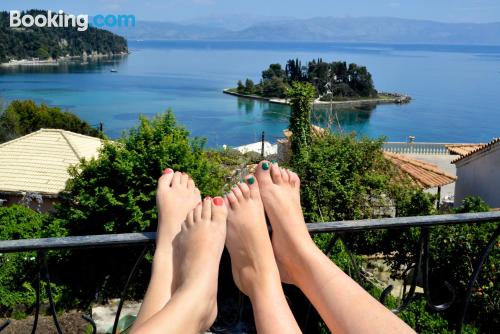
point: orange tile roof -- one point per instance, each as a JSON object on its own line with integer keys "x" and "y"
{"x": 477, "y": 150}
{"x": 424, "y": 174}
{"x": 463, "y": 149}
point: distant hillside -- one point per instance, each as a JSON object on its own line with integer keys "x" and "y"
{"x": 44, "y": 43}
{"x": 325, "y": 29}
{"x": 170, "y": 31}
{"x": 386, "y": 30}
{"x": 234, "y": 22}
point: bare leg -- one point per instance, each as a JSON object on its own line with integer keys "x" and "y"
{"x": 342, "y": 303}
{"x": 252, "y": 260}
{"x": 176, "y": 196}
{"x": 198, "y": 249}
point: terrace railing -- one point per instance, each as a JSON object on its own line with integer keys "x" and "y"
{"x": 416, "y": 148}
{"x": 146, "y": 241}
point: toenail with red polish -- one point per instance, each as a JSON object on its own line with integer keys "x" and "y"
{"x": 208, "y": 198}
{"x": 218, "y": 201}
{"x": 168, "y": 171}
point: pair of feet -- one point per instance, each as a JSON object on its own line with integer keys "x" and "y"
{"x": 197, "y": 231}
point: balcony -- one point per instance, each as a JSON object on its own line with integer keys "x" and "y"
{"x": 145, "y": 242}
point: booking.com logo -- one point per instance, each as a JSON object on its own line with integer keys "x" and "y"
{"x": 62, "y": 20}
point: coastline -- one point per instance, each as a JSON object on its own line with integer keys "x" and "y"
{"x": 385, "y": 98}
{"x": 58, "y": 61}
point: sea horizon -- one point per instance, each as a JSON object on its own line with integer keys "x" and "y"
{"x": 189, "y": 77}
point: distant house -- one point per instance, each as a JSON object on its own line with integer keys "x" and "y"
{"x": 427, "y": 176}
{"x": 269, "y": 149}
{"x": 478, "y": 174}
{"x": 34, "y": 168}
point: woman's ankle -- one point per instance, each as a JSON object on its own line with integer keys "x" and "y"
{"x": 300, "y": 265}
{"x": 201, "y": 304}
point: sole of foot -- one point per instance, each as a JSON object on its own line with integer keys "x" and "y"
{"x": 176, "y": 196}
{"x": 252, "y": 259}
{"x": 197, "y": 253}
{"x": 280, "y": 191}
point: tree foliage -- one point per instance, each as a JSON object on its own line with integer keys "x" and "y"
{"x": 454, "y": 251}
{"x": 347, "y": 178}
{"x": 335, "y": 80}
{"x": 43, "y": 43}
{"x": 116, "y": 192}
{"x": 17, "y": 277}
{"x": 23, "y": 117}
{"x": 301, "y": 96}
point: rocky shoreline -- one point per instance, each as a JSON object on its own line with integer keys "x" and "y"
{"x": 384, "y": 98}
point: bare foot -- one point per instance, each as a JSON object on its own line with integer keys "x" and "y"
{"x": 248, "y": 242}
{"x": 280, "y": 191}
{"x": 176, "y": 196}
{"x": 197, "y": 254}
{"x": 252, "y": 260}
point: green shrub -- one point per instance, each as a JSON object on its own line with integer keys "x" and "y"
{"x": 348, "y": 178}
{"x": 19, "y": 270}
{"x": 116, "y": 194}
{"x": 454, "y": 251}
{"x": 23, "y": 117}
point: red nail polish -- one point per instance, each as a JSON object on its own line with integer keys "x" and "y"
{"x": 218, "y": 201}
{"x": 208, "y": 198}
{"x": 168, "y": 171}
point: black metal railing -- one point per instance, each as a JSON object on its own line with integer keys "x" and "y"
{"x": 146, "y": 240}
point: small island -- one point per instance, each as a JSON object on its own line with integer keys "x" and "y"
{"x": 336, "y": 83}
{"x": 49, "y": 46}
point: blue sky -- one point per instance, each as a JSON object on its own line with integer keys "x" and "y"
{"x": 171, "y": 10}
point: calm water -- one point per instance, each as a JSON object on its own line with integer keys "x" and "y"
{"x": 455, "y": 90}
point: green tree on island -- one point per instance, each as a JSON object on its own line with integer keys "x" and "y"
{"x": 44, "y": 43}
{"x": 249, "y": 87}
{"x": 240, "y": 88}
{"x": 332, "y": 81}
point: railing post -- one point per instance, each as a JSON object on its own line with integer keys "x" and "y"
{"x": 125, "y": 288}
{"x": 37, "y": 291}
{"x": 262, "y": 153}
{"x": 48, "y": 289}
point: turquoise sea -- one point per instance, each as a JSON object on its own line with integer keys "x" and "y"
{"x": 455, "y": 89}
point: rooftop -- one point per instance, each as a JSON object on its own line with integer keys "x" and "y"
{"x": 424, "y": 174}
{"x": 463, "y": 149}
{"x": 478, "y": 150}
{"x": 39, "y": 161}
